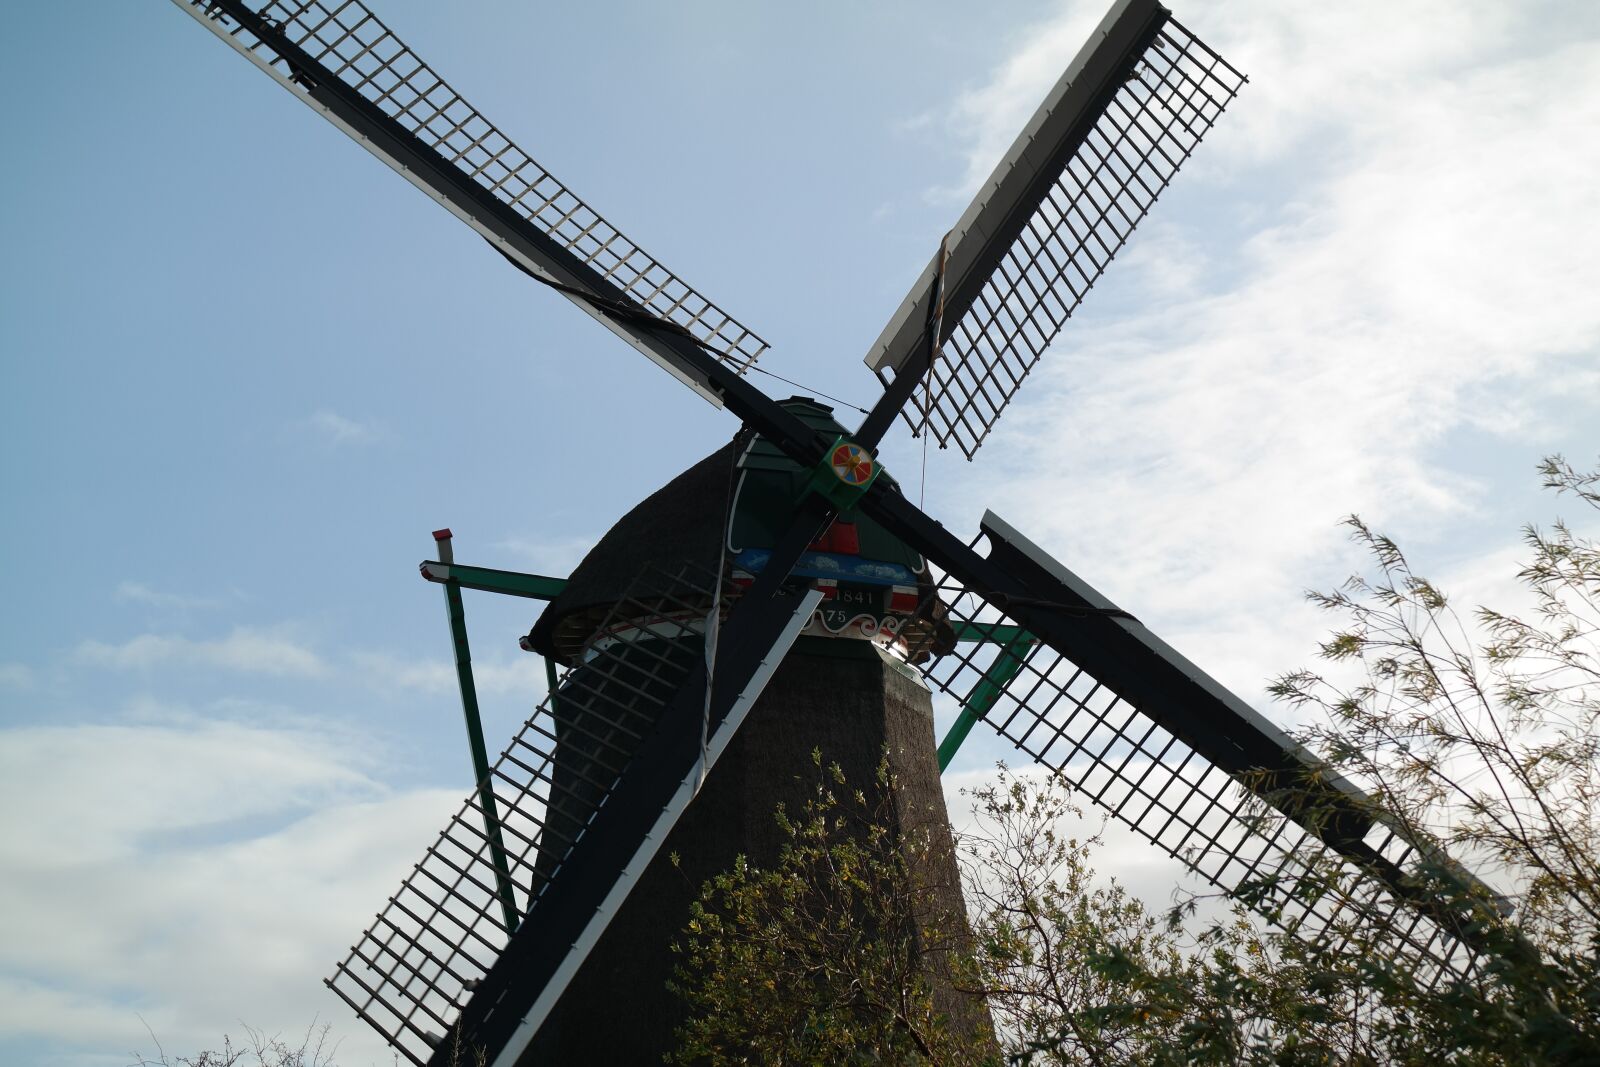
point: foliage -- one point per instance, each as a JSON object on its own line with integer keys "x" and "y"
{"x": 1075, "y": 970}
{"x": 1481, "y": 745}
{"x": 829, "y": 956}
{"x": 258, "y": 1050}
{"x": 1474, "y": 739}
{"x": 1078, "y": 971}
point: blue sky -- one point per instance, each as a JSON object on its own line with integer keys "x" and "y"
{"x": 247, "y": 370}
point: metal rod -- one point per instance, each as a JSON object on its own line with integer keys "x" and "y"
{"x": 550, "y": 681}
{"x": 480, "y": 757}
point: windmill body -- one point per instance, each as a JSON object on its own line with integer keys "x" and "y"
{"x": 844, "y": 692}
{"x": 697, "y": 632}
{"x": 836, "y": 697}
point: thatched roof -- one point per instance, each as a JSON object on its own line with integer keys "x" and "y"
{"x": 680, "y": 522}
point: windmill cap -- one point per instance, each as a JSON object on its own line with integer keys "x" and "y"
{"x": 678, "y": 523}
{"x": 683, "y": 522}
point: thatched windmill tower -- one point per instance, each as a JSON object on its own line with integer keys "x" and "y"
{"x": 844, "y": 689}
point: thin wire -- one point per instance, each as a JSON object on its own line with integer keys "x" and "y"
{"x": 1077, "y": 611}
{"x": 714, "y": 618}
{"x": 922, "y": 484}
{"x": 632, "y": 313}
{"x": 936, "y": 347}
{"x": 797, "y": 385}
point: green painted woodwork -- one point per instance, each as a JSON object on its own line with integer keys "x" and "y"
{"x": 975, "y": 633}
{"x": 988, "y": 690}
{"x": 480, "y": 757}
{"x": 825, "y": 482}
{"x": 551, "y": 682}
{"x": 512, "y": 583}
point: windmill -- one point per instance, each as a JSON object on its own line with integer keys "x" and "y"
{"x": 489, "y": 931}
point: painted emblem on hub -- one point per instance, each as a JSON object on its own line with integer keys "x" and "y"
{"x": 852, "y": 464}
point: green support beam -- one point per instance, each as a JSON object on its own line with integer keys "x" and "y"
{"x": 480, "y": 757}
{"x": 512, "y": 583}
{"x": 976, "y": 633}
{"x": 1017, "y": 643}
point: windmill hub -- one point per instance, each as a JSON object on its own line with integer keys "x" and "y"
{"x": 853, "y": 465}
{"x": 844, "y": 477}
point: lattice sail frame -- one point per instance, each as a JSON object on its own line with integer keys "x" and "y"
{"x": 1173, "y": 94}
{"x": 412, "y": 972}
{"x": 352, "y": 44}
{"x": 1145, "y": 777}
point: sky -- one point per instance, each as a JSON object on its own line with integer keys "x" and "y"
{"x": 247, "y": 370}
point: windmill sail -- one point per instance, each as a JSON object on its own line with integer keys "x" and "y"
{"x": 341, "y": 60}
{"x": 449, "y": 941}
{"x": 1082, "y": 174}
{"x": 1201, "y": 799}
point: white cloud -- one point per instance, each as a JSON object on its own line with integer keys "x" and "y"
{"x": 163, "y": 778}
{"x": 492, "y": 677}
{"x": 338, "y": 429}
{"x": 33, "y": 1009}
{"x": 384, "y": 670}
{"x": 555, "y": 556}
{"x": 140, "y": 593}
{"x": 988, "y": 117}
{"x": 197, "y": 873}
{"x": 245, "y": 649}
{"x": 1416, "y": 265}
{"x": 275, "y": 651}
